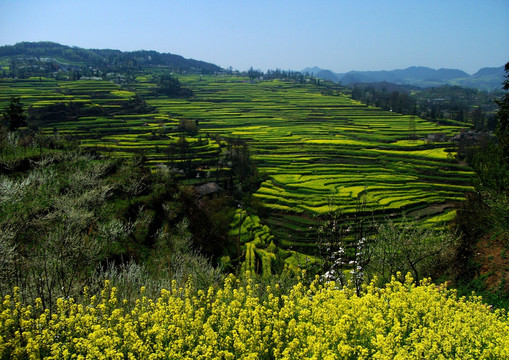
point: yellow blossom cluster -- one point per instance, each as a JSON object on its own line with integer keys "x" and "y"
{"x": 317, "y": 321}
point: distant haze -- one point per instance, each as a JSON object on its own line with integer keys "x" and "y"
{"x": 488, "y": 78}
{"x": 290, "y": 35}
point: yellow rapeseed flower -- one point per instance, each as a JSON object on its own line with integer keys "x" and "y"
{"x": 403, "y": 320}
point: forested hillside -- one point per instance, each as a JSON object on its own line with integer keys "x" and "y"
{"x": 26, "y": 59}
{"x": 468, "y": 107}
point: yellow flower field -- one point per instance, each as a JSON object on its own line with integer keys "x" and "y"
{"x": 318, "y": 321}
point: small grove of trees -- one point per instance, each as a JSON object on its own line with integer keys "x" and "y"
{"x": 236, "y": 156}
{"x": 279, "y": 74}
{"x": 398, "y": 101}
{"x": 71, "y": 110}
{"x": 254, "y": 74}
{"x": 13, "y": 114}
{"x": 14, "y": 134}
{"x": 20, "y": 134}
{"x": 169, "y": 85}
{"x": 435, "y": 104}
{"x": 238, "y": 172}
{"x": 410, "y": 247}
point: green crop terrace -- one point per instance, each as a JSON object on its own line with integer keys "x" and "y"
{"x": 312, "y": 147}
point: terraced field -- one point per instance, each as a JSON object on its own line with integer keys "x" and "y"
{"x": 118, "y": 134}
{"x": 314, "y": 147}
{"x": 311, "y": 146}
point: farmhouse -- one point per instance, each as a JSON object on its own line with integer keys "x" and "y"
{"x": 439, "y": 137}
{"x": 210, "y": 189}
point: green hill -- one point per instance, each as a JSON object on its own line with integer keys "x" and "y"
{"x": 27, "y": 59}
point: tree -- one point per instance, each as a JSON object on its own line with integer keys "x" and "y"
{"x": 503, "y": 117}
{"x": 478, "y": 118}
{"x": 253, "y": 74}
{"x": 491, "y": 160}
{"x": 408, "y": 247}
{"x": 185, "y": 159}
{"x": 14, "y": 115}
{"x": 236, "y": 157}
{"x": 169, "y": 85}
{"x": 485, "y": 214}
{"x": 345, "y": 244}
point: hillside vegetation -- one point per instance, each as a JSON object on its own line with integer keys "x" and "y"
{"x": 127, "y": 197}
{"x": 27, "y": 59}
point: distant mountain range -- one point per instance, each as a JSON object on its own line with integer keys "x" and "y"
{"x": 485, "y": 79}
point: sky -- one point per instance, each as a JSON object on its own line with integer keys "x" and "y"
{"x": 291, "y": 35}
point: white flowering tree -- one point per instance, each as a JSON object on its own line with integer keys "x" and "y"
{"x": 345, "y": 245}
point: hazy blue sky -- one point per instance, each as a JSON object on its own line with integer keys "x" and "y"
{"x": 337, "y": 35}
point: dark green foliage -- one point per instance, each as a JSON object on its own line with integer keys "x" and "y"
{"x": 135, "y": 105}
{"x": 189, "y": 126}
{"x": 465, "y": 288}
{"x": 236, "y": 156}
{"x": 169, "y": 85}
{"x": 492, "y": 168}
{"x": 287, "y": 75}
{"x": 472, "y": 220}
{"x": 253, "y": 74}
{"x": 14, "y": 115}
{"x": 503, "y": 117}
{"x": 485, "y": 214}
{"x": 441, "y": 104}
{"x": 71, "y": 111}
{"x": 209, "y": 220}
{"x": 41, "y": 58}
{"x": 382, "y": 96}
{"x": 61, "y": 111}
